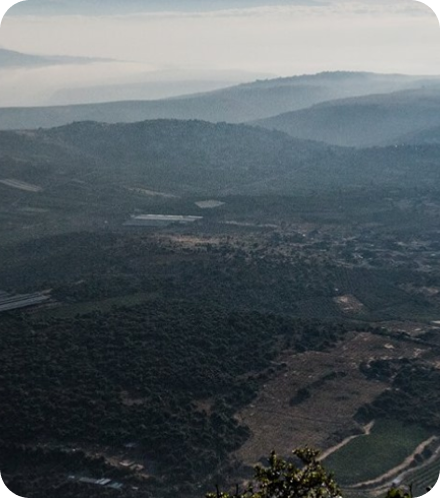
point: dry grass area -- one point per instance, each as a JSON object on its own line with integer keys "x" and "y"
{"x": 325, "y": 418}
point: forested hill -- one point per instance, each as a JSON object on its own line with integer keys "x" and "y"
{"x": 194, "y": 157}
{"x": 364, "y": 121}
{"x": 181, "y": 156}
{"x": 241, "y": 103}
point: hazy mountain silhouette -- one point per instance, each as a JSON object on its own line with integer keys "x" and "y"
{"x": 364, "y": 121}
{"x": 13, "y": 59}
{"x": 246, "y": 102}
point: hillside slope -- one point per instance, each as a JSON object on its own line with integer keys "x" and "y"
{"x": 364, "y": 121}
{"x": 181, "y": 156}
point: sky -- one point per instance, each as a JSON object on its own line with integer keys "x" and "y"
{"x": 219, "y": 42}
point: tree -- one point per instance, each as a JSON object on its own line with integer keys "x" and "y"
{"x": 282, "y": 479}
{"x": 400, "y": 493}
{"x": 309, "y": 479}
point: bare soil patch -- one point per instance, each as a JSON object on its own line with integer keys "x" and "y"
{"x": 349, "y": 304}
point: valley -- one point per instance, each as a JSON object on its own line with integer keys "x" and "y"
{"x": 322, "y": 292}
{"x": 180, "y": 297}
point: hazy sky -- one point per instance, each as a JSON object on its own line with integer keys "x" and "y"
{"x": 205, "y": 38}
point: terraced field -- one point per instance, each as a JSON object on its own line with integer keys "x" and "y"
{"x": 424, "y": 476}
{"x": 280, "y": 419}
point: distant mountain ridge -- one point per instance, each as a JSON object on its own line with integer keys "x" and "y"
{"x": 242, "y": 103}
{"x": 13, "y": 59}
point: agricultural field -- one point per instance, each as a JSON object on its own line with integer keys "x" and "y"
{"x": 333, "y": 386}
{"x": 368, "y": 457}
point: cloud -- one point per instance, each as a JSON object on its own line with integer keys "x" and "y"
{"x": 112, "y": 7}
{"x": 47, "y": 80}
{"x": 197, "y": 8}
